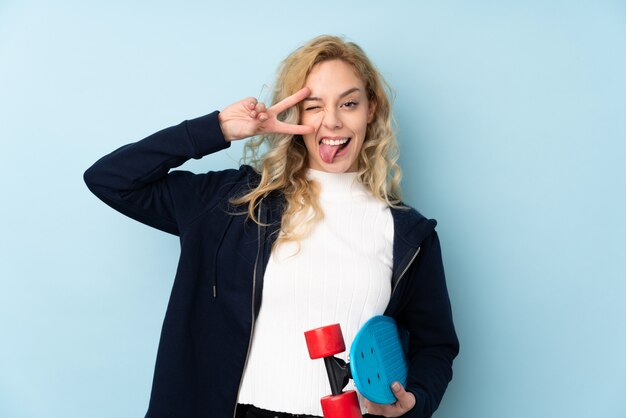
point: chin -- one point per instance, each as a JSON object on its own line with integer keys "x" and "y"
{"x": 340, "y": 167}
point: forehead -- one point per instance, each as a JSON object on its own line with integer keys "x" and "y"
{"x": 333, "y": 77}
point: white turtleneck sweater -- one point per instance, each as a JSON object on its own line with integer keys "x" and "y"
{"x": 342, "y": 274}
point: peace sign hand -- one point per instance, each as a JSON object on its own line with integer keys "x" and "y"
{"x": 247, "y": 118}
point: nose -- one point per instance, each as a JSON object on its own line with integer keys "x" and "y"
{"x": 332, "y": 120}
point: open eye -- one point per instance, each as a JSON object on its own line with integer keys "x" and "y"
{"x": 350, "y": 104}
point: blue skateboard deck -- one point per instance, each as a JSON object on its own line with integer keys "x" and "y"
{"x": 378, "y": 358}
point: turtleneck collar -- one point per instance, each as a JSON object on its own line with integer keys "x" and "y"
{"x": 337, "y": 184}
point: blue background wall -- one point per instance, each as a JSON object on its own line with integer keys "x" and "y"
{"x": 512, "y": 133}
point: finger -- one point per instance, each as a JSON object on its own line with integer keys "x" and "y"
{"x": 260, "y": 107}
{"x": 288, "y": 128}
{"x": 258, "y": 110}
{"x": 290, "y": 101}
{"x": 373, "y": 408}
{"x": 406, "y": 400}
{"x": 385, "y": 411}
{"x": 251, "y": 102}
{"x": 382, "y": 410}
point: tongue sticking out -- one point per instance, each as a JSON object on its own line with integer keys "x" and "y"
{"x": 327, "y": 152}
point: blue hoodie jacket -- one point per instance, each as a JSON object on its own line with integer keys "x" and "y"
{"x": 217, "y": 291}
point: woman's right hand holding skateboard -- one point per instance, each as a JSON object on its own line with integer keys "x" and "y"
{"x": 405, "y": 402}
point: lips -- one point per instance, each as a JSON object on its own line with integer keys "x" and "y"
{"x": 330, "y": 146}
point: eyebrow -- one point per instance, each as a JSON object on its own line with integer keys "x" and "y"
{"x": 344, "y": 94}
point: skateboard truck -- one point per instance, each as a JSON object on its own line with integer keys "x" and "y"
{"x": 338, "y": 373}
{"x": 324, "y": 343}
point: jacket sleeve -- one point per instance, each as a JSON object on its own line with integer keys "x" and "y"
{"x": 136, "y": 179}
{"x": 433, "y": 343}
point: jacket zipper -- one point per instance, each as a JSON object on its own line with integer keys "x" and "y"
{"x": 256, "y": 261}
{"x": 405, "y": 270}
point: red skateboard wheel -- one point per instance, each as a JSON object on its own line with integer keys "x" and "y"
{"x": 325, "y": 341}
{"x": 344, "y": 405}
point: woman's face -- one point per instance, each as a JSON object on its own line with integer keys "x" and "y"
{"x": 339, "y": 111}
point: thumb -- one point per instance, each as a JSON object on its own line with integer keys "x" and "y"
{"x": 405, "y": 399}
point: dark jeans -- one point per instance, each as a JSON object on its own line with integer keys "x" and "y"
{"x": 248, "y": 411}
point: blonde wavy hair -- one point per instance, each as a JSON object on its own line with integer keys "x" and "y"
{"x": 283, "y": 165}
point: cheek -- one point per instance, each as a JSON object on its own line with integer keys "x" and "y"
{"x": 312, "y": 119}
{"x": 309, "y": 142}
{"x": 359, "y": 124}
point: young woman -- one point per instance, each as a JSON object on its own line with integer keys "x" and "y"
{"x": 312, "y": 232}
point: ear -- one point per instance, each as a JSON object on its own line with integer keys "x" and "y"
{"x": 371, "y": 110}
